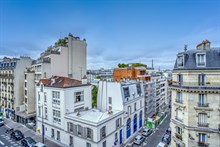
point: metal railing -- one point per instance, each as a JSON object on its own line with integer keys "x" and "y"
{"x": 196, "y": 85}
{"x": 179, "y": 101}
{"x": 201, "y": 124}
{"x": 203, "y": 105}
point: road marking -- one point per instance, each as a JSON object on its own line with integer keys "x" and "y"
{"x": 2, "y": 143}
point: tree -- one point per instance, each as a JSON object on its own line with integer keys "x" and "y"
{"x": 94, "y": 96}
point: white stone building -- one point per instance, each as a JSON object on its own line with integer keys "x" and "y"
{"x": 69, "y": 119}
{"x": 11, "y": 84}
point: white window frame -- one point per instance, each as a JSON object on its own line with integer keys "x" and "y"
{"x": 179, "y": 61}
{"x": 81, "y": 96}
{"x": 197, "y": 59}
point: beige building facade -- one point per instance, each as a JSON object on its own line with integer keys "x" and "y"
{"x": 195, "y": 88}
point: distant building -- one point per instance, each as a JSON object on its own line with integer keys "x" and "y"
{"x": 94, "y": 76}
{"x": 196, "y": 97}
{"x": 12, "y": 84}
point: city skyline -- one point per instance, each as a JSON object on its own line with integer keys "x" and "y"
{"x": 116, "y": 31}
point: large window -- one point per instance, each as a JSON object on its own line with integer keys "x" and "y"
{"x": 140, "y": 119}
{"x": 201, "y": 59}
{"x": 110, "y": 100}
{"x": 202, "y": 138}
{"x": 103, "y": 132}
{"x": 55, "y": 94}
{"x": 180, "y": 61}
{"x": 179, "y": 114}
{"x": 126, "y": 92}
{"x": 58, "y": 135}
{"x": 56, "y": 116}
{"x": 202, "y": 120}
{"x": 56, "y": 98}
{"x": 118, "y": 123}
{"x": 138, "y": 89}
{"x": 70, "y": 127}
{"x": 202, "y": 100}
{"x": 179, "y": 130}
{"x": 179, "y": 98}
{"x": 180, "y": 79}
{"x": 135, "y": 123}
{"x": 89, "y": 133}
{"x": 79, "y": 96}
{"x": 128, "y": 128}
{"x": 52, "y": 133}
{"x": 201, "y": 79}
{"x": 45, "y": 111}
{"x": 79, "y": 130}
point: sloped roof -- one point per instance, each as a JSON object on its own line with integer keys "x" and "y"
{"x": 212, "y": 59}
{"x": 204, "y": 42}
{"x": 61, "y": 82}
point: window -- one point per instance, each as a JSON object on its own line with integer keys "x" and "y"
{"x": 104, "y": 144}
{"x": 71, "y": 141}
{"x": 70, "y": 127}
{"x": 135, "y": 123}
{"x": 25, "y": 84}
{"x": 128, "y": 128}
{"x": 110, "y": 100}
{"x": 179, "y": 114}
{"x": 129, "y": 109}
{"x": 126, "y": 92}
{"x": 118, "y": 123}
{"x": 202, "y": 138}
{"x": 140, "y": 119}
{"x": 202, "y": 100}
{"x": 180, "y": 78}
{"x": 79, "y": 96}
{"x": 38, "y": 96}
{"x": 56, "y": 116}
{"x": 116, "y": 137}
{"x": 89, "y": 133}
{"x": 202, "y": 119}
{"x": 201, "y": 79}
{"x": 138, "y": 89}
{"x": 45, "y": 109}
{"x": 88, "y": 144}
{"x": 79, "y": 130}
{"x": 39, "y": 110}
{"x": 41, "y": 87}
{"x": 180, "y": 61}
{"x": 140, "y": 103}
{"x": 56, "y": 94}
{"x": 201, "y": 59}
{"x": 58, "y": 135}
{"x": 56, "y": 98}
{"x": 179, "y": 130}
{"x": 179, "y": 98}
{"x": 103, "y": 132}
{"x": 52, "y": 133}
{"x": 45, "y": 97}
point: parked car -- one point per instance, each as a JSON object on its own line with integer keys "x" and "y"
{"x": 146, "y": 132}
{"x": 139, "y": 139}
{"x": 168, "y": 130}
{"x": 39, "y": 144}
{"x": 166, "y": 139}
{"x": 161, "y": 144}
{"x": 28, "y": 142}
{"x": 17, "y": 135}
{"x": 1, "y": 121}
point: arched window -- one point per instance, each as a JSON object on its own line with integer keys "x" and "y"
{"x": 135, "y": 123}
{"x": 140, "y": 119}
{"x": 128, "y": 129}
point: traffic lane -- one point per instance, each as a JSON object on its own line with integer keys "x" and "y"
{"x": 5, "y": 139}
{"x": 156, "y": 137}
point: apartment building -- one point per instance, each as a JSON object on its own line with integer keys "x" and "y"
{"x": 11, "y": 84}
{"x": 64, "y": 107}
{"x": 196, "y": 97}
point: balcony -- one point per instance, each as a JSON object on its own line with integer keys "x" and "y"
{"x": 178, "y": 136}
{"x": 203, "y": 124}
{"x": 196, "y": 85}
{"x": 202, "y": 144}
{"x": 203, "y": 105}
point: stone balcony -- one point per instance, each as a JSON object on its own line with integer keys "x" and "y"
{"x": 202, "y": 144}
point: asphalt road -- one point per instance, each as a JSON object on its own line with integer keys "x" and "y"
{"x": 5, "y": 140}
{"x": 156, "y": 137}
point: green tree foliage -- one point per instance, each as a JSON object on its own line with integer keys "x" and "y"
{"x": 94, "y": 96}
{"x": 122, "y": 65}
{"x": 61, "y": 42}
{"x": 98, "y": 77}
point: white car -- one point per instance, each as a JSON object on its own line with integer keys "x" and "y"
{"x": 161, "y": 144}
{"x": 146, "y": 132}
{"x": 139, "y": 139}
{"x": 39, "y": 144}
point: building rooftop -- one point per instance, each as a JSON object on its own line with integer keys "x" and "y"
{"x": 212, "y": 59}
{"x": 61, "y": 82}
{"x": 92, "y": 115}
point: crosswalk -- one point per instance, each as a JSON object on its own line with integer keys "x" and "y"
{"x": 12, "y": 143}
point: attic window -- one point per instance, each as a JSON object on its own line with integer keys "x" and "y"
{"x": 180, "y": 61}
{"x": 201, "y": 60}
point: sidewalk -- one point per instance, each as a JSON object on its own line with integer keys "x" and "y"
{"x": 29, "y": 133}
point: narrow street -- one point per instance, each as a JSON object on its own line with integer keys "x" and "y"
{"x": 156, "y": 137}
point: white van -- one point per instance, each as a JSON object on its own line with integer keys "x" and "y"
{"x": 161, "y": 144}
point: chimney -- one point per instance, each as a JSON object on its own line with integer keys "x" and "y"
{"x": 52, "y": 80}
{"x": 84, "y": 80}
{"x": 205, "y": 45}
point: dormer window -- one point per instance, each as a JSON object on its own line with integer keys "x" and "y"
{"x": 201, "y": 60}
{"x": 126, "y": 92}
{"x": 180, "y": 61}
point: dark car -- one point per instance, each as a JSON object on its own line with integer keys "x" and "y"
{"x": 17, "y": 135}
{"x": 166, "y": 139}
{"x": 28, "y": 142}
{"x": 168, "y": 130}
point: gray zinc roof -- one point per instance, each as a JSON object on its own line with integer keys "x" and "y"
{"x": 212, "y": 59}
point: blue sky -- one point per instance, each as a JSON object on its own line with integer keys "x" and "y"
{"x": 116, "y": 30}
